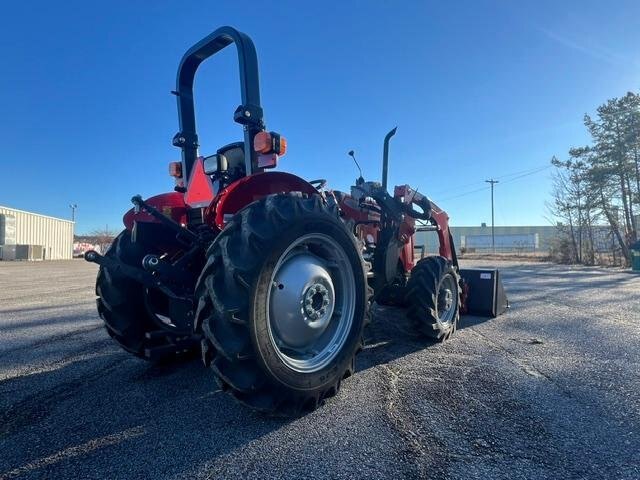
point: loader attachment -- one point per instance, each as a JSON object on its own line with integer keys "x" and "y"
{"x": 483, "y": 292}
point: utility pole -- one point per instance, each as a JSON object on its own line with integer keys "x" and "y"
{"x": 493, "y": 225}
{"x": 73, "y": 207}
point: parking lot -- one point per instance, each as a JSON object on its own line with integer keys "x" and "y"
{"x": 548, "y": 390}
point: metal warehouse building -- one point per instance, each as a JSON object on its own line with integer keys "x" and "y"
{"x": 30, "y": 236}
{"x": 507, "y": 239}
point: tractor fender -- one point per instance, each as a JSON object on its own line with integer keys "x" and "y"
{"x": 251, "y": 188}
{"x": 170, "y": 204}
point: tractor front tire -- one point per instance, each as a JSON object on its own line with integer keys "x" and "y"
{"x": 121, "y": 305}
{"x": 434, "y": 297}
{"x": 283, "y": 301}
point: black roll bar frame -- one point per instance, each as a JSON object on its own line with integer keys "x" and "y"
{"x": 249, "y": 114}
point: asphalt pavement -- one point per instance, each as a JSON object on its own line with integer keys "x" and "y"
{"x": 548, "y": 390}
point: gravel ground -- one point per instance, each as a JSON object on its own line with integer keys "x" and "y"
{"x": 549, "y": 390}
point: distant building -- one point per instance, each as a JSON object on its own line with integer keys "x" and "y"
{"x": 514, "y": 239}
{"x": 31, "y": 236}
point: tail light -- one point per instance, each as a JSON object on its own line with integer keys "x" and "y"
{"x": 270, "y": 142}
{"x": 270, "y": 146}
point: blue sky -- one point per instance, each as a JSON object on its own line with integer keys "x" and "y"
{"x": 478, "y": 89}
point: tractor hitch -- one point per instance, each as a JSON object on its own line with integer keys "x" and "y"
{"x": 137, "y": 274}
{"x": 181, "y": 307}
{"x": 163, "y": 269}
{"x": 174, "y": 345}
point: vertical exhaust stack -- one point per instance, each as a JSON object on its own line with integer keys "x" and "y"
{"x": 385, "y": 157}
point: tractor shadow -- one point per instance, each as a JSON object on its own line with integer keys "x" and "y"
{"x": 81, "y": 403}
{"x": 97, "y": 405}
{"x": 134, "y": 419}
{"x": 391, "y": 335}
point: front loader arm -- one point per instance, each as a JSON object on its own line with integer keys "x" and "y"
{"x": 440, "y": 219}
{"x": 434, "y": 214}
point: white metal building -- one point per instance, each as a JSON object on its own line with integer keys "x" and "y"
{"x": 31, "y": 236}
{"x": 530, "y": 239}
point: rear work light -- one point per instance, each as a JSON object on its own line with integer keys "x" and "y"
{"x": 175, "y": 169}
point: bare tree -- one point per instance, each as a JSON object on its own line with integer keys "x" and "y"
{"x": 599, "y": 185}
{"x": 102, "y": 238}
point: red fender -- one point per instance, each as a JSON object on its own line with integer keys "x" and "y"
{"x": 251, "y": 188}
{"x": 170, "y": 204}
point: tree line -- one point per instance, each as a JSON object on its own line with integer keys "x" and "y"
{"x": 596, "y": 189}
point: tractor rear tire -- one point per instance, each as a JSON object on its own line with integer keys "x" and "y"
{"x": 434, "y": 297}
{"x": 121, "y": 306}
{"x": 283, "y": 301}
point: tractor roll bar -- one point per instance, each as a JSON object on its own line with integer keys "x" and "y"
{"x": 249, "y": 114}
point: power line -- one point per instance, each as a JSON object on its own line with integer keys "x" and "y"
{"x": 522, "y": 174}
{"x": 463, "y": 194}
{"x": 527, "y": 171}
{"x": 527, "y": 174}
{"x": 458, "y": 187}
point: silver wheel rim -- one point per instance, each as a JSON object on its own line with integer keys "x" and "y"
{"x": 311, "y": 303}
{"x": 447, "y": 304}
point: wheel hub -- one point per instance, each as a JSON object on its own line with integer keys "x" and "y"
{"x": 447, "y": 301}
{"x": 316, "y": 300}
{"x": 302, "y": 301}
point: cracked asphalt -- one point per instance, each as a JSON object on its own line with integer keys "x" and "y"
{"x": 548, "y": 390}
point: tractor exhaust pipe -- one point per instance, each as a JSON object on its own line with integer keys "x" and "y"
{"x": 385, "y": 157}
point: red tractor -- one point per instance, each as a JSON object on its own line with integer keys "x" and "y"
{"x": 269, "y": 275}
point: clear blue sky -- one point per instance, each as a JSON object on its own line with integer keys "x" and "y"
{"x": 477, "y": 89}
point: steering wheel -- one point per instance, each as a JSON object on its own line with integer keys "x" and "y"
{"x": 319, "y": 183}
